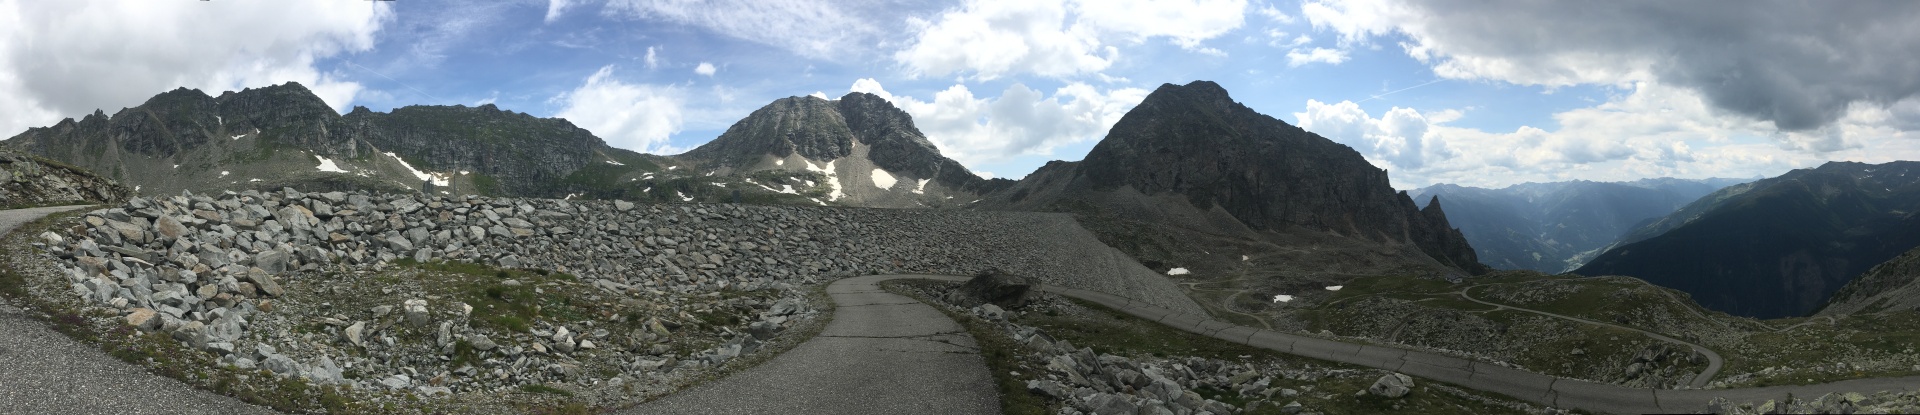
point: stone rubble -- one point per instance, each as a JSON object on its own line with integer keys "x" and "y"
{"x": 1886, "y": 402}
{"x": 231, "y": 274}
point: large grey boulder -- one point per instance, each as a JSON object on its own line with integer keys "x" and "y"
{"x": 416, "y": 310}
{"x": 1393, "y": 385}
{"x": 264, "y": 281}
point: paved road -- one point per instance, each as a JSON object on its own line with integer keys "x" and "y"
{"x": 1543, "y": 389}
{"x": 45, "y": 372}
{"x": 882, "y": 354}
{"x": 1714, "y": 361}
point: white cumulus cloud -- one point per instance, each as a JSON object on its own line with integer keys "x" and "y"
{"x": 65, "y": 59}
{"x": 1058, "y": 38}
{"x": 1021, "y": 121}
{"x": 639, "y": 117}
{"x": 816, "y": 29}
{"x": 1655, "y": 130}
{"x": 555, "y": 8}
{"x": 705, "y": 69}
{"x": 1298, "y": 57}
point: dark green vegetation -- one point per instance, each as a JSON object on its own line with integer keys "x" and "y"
{"x": 1781, "y": 246}
{"x": 1551, "y": 227}
{"x": 504, "y": 306}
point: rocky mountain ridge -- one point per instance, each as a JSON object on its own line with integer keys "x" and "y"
{"x": 868, "y": 152}
{"x": 859, "y": 148}
{"x": 1192, "y": 157}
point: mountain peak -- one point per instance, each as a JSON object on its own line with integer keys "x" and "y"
{"x": 1193, "y": 141}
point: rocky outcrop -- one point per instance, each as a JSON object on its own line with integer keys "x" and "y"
{"x": 31, "y": 181}
{"x": 1440, "y": 240}
{"x": 1194, "y": 144}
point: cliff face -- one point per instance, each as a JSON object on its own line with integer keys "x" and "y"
{"x": 1196, "y": 143}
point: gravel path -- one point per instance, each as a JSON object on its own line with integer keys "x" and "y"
{"x": 882, "y": 354}
{"x": 46, "y": 372}
{"x": 1714, "y": 361}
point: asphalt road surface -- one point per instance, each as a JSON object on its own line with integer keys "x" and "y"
{"x": 45, "y": 372}
{"x": 883, "y": 353}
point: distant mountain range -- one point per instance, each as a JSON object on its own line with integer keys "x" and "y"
{"x": 285, "y": 136}
{"x": 1777, "y": 247}
{"x": 1555, "y": 227}
{"x": 1188, "y": 158}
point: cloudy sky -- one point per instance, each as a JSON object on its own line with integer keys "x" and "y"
{"x": 1469, "y": 92}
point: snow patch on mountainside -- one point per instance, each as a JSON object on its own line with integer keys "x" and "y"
{"x": 328, "y": 165}
{"x": 882, "y": 179}
{"x": 438, "y": 179}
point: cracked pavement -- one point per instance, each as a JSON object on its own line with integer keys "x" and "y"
{"x": 882, "y": 353}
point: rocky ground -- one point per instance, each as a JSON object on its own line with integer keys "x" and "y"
{"x": 1906, "y": 402}
{"x": 1112, "y": 374}
{"x": 33, "y": 181}
{"x": 1428, "y": 314}
{"x": 391, "y": 301}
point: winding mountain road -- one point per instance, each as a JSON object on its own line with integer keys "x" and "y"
{"x": 1534, "y": 387}
{"x": 46, "y": 372}
{"x": 1714, "y": 361}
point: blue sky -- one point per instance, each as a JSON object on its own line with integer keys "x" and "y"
{"x": 1476, "y": 93}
